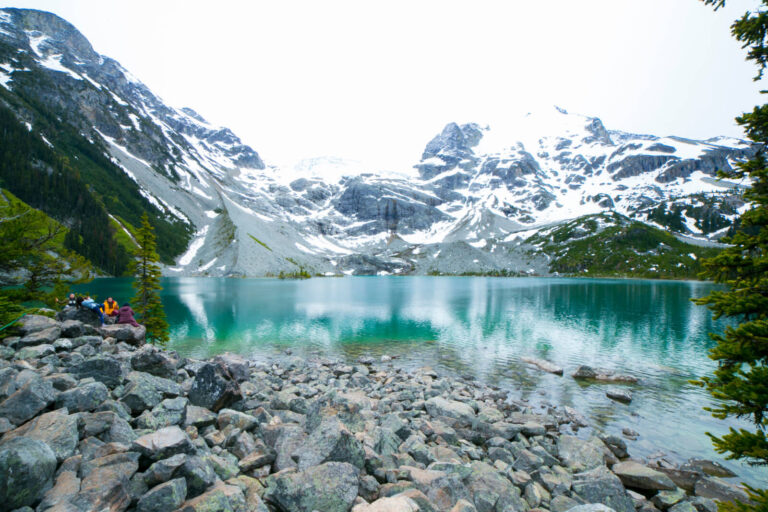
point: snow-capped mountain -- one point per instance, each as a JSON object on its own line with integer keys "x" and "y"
{"x": 468, "y": 206}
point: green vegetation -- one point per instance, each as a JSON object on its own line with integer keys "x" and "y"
{"x": 260, "y": 242}
{"x": 740, "y": 382}
{"x": 147, "y": 301}
{"x": 70, "y": 177}
{"x": 611, "y": 245}
{"x": 35, "y": 267}
{"x": 299, "y": 274}
{"x": 709, "y": 211}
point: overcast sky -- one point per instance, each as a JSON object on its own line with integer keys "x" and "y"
{"x": 374, "y": 81}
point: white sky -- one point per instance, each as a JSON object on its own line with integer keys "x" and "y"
{"x": 374, "y": 81}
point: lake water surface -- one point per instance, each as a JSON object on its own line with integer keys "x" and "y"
{"x": 479, "y": 327}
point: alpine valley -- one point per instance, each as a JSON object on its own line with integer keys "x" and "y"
{"x": 551, "y": 193}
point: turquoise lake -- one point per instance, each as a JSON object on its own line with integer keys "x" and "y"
{"x": 479, "y": 327}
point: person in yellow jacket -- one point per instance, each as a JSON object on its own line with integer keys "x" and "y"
{"x": 110, "y": 307}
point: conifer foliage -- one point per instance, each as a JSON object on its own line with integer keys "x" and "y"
{"x": 146, "y": 271}
{"x": 740, "y": 382}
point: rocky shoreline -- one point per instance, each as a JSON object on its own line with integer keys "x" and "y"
{"x": 92, "y": 419}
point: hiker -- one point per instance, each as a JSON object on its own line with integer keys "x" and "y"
{"x": 71, "y": 300}
{"x": 125, "y": 315}
{"x": 94, "y": 306}
{"x": 110, "y": 307}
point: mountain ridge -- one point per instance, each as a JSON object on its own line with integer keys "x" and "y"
{"x": 464, "y": 208}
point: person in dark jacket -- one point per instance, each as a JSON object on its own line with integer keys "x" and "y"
{"x": 125, "y": 315}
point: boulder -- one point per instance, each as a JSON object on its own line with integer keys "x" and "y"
{"x": 26, "y": 402}
{"x": 164, "y": 497}
{"x": 579, "y": 454}
{"x": 83, "y": 315}
{"x": 491, "y": 491}
{"x": 397, "y": 503}
{"x": 591, "y": 507}
{"x": 236, "y": 365}
{"x": 330, "y": 441}
{"x": 199, "y": 417}
{"x": 105, "y": 482}
{"x": 442, "y": 489}
{"x": 107, "y": 426}
{"x": 34, "y": 323}
{"x": 27, "y": 466}
{"x": 440, "y": 407}
{"x": 155, "y": 362}
{"x": 620, "y": 395}
{"x": 85, "y": 397}
{"x": 170, "y": 411}
{"x": 144, "y": 391}
{"x": 214, "y": 388}
{"x": 198, "y": 473}
{"x": 43, "y": 337}
{"x": 221, "y": 498}
{"x": 637, "y": 476}
{"x": 599, "y": 485}
{"x": 164, "y": 443}
{"x": 56, "y": 429}
{"x": 102, "y": 369}
{"x": 72, "y": 329}
{"x": 330, "y": 487}
{"x": 162, "y": 470}
{"x": 66, "y": 487}
{"x": 236, "y": 419}
{"x": 716, "y": 489}
{"x": 125, "y": 333}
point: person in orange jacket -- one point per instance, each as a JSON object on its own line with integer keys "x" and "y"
{"x": 110, "y": 307}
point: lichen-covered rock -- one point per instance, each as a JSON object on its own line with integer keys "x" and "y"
{"x": 27, "y": 401}
{"x": 492, "y": 492}
{"x": 579, "y": 454}
{"x": 56, "y": 429}
{"x": 214, "y": 388}
{"x": 221, "y": 498}
{"x": 85, "y": 397}
{"x": 144, "y": 391}
{"x": 330, "y": 441}
{"x": 235, "y": 365}
{"x": 164, "y": 443}
{"x": 102, "y": 369}
{"x": 164, "y": 497}
{"x": 42, "y": 337}
{"x": 330, "y": 487}
{"x": 27, "y": 467}
{"x": 155, "y": 362}
{"x": 441, "y": 407}
{"x": 599, "y": 485}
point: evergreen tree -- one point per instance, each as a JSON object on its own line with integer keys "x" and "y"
{"x": 146, "y": 271}
{"x": 740, "y": 382}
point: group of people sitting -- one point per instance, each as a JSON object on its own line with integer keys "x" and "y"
{"x": 109, "y": 312}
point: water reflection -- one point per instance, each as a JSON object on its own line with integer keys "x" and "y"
{"x": 480, "y": 327}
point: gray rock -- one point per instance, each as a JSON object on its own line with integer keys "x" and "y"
{"x": 330, "y": 487}
{"x": 83, "y": 315}
{"x": 708, "y": 467}
{"x": 155, "y": 362}
{"x": 66, "y": 487}
{"x": 330, "y": 441}
{"x": 107, "y": 426}
{"x": 592, "y": 507}
{"x": 440, "y": 407}
{"x": 683, "y": 506}
{"x": 72, "y": 329}
{"x": 221, "y": 498}
{"x": 125, "y": 333}
{"x": 562, "y": 504}
{"x": 162, "y": 470}
{"x": 616, "y": 444}
{"x": 236, "y": 366}
{"x": 578, "y": 454}
{"x": 56, "y": 429}
{"x": 666, "y": 499}
{"x": 27, "y": 466}
{"x": 86, "y": 397}
{"x": 105, "y": 482}
{"x": 164, "y": 497}
{"x": 31, "y": 398}
{"x": 144, "y": 391}
{"x": 199, "y": 417}
{"x": 170, "y": 411}
{"x": 716, "y": 489}
{"x": 637, "y": 476}
{"x": 63, "y": 345}
{"x": 492, "y": 492}
{"x": 35, "y": 352}
{"x": 620, "y": 395}
{"x": 35, "y": 323}
{"x": 599, "y": 485}
{"x": 199, "y": 474}
{"x": 102, "y": 369}
{"x": 214, "y": 388}
{"x": 164, "y": 443}
{"x": 237, "y": 419}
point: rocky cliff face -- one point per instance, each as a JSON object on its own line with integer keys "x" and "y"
{"x": 468, "y": 206}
